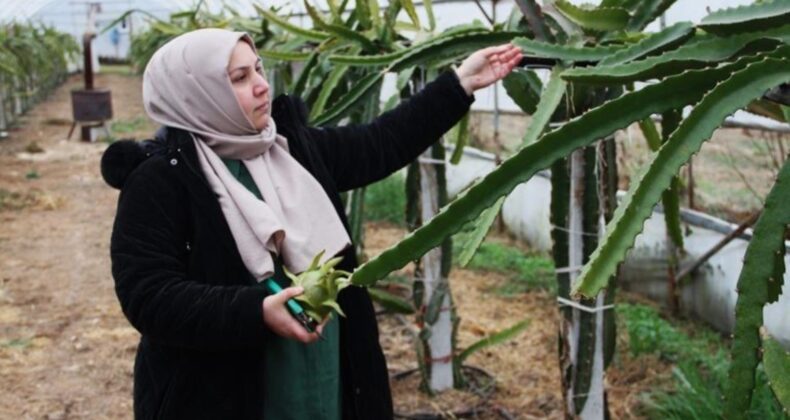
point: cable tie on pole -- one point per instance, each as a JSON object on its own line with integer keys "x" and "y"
{"x": 587, "y": 394}
{"x": 431, "y": 161}
{"x": 573, "y": 231}
{"x": 579, "y": 306}
{"x": 444, "y": 359}
{"x": 562, "y": 270}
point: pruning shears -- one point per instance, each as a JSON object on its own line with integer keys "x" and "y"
{"x": 295, "y": 309}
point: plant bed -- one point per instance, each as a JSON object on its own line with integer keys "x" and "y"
{"x": 471, "y": 401}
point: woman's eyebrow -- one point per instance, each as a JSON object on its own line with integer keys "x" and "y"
{"x": 244, "y": 67}
{"x": 247, "y": 66}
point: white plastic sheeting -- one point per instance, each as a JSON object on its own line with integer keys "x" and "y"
{"x": 27, "y": 9}
{"x": 711, "y": 296}
{"x": 70, "y": 16}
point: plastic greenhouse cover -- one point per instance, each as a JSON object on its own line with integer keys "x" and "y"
{"x": 21, "y": 10}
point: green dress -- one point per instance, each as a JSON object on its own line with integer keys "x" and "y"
{"x": 302, "y": 380}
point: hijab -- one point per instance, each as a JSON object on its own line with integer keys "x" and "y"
{"x": 186, "y": 85}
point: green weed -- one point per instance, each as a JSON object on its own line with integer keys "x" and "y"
{"x": 526, "y": 271}
{"x": 18, "y": 343}
{"x": 32, "y": 174}
{"x": 386, "y": 200}
{"x": 701, "y": 367}
{"x": 12, "y": 200}
{"x": 129, "y": 126}
{"x": 33, "y": 147}
{"x": 120, "y": 69}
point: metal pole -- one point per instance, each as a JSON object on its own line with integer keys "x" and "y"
{"x": 87, "y": 60}
{"x": 691, "y": 183}
{"x": 716, "y": 248}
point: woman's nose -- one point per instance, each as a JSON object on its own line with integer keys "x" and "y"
{"x": 261, "y": 85}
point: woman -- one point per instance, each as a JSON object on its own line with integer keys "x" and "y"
{"x": 233, "y": 188}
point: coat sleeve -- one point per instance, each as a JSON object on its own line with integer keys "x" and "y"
{"x": 149, "y": 267}
{"x": 357, "y": 155}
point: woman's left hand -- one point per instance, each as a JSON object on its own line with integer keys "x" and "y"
{"x": 487, "y": 66}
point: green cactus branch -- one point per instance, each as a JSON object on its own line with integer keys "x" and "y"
{"x": 645, "y": 11}
{"x": 524, "y": 87}
{"x": 459, "y": 136}
{"x": 442, "y": 48}
{"x": 776, "y": 361}
{"x": 339, "y": 31}
{"x": 353, "y": 96}
{"x": 696, "y": 54}
{"x": 449, "y": 47}
{"x": 367, "y": 60}
{"x": 758, "y": 284}
{"x": 327, "y": 87}
{"x": 669, "y": 37}
{"x": 549, "y": 101}
{"x": 284, "y": 55}
{"x": 531, "y": 47}
{"x": 599, "y": 18}
{"x": 494, "y": 339}
{"x": 753, "y": 17}
{"x": 481, "y": 227}
{"x": 304, "y": 76}
{"x": 391, "y": 302}
{"x": 731, "y": 95}
{"x": 294, "y": 29}
{"x": 674, "y": 92}
{"x": 670, "y": 198}
{"x": 408, "y": 6}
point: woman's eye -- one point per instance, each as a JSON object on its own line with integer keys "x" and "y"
{"x": 240, "y": 78}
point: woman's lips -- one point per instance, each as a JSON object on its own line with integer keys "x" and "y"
{"x": 262, "y": 107}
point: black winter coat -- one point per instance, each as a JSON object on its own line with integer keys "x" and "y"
{"x": 181, "y": 282}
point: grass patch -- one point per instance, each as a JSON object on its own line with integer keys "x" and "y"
{"x": 386, "y": 200}
{"x": 16, "y": 343}
{"x": 33, "y": 147}
{"x": 122, "y": 69}
{"x": 12, "y": 200}
{"x": 526, "y": 271}
{"x": 649, "y": 333}
{"x": 32, "y": 174}
{"x": 129, "y": 126}
{"x": 57, "y": 121}
{"x": 700, "y": 374}
{"x": 33, "y": 198}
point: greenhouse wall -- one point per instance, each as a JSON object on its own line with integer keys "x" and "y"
{"x": 711, "y": 294}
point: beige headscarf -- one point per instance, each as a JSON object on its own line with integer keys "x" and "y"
{"x": 186, "y": 85}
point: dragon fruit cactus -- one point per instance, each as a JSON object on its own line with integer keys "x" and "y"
{"x": 321, "y": 283}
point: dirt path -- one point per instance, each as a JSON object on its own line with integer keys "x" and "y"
{"x": 66, "y": 351}
{"x": 65, "y": 348}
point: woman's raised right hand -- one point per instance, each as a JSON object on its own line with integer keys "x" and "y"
{"x": 281, "y": 322}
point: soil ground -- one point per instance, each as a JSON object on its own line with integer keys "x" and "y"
{"x": 66, "y": 350}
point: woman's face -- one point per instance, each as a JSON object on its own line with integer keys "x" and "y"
{"x": 251, "y": 88}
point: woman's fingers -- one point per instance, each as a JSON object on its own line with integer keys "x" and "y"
{"x": 507, "y": 61}
{"x": 487, "y": 65}
{"x": 509, "y": 54}
{"x": 320, "y": 327}
{"x": 496, "y": 49}
{"x": 280, "y": 321}
{"x": 301, "y": 334}
{"x": 512, "y": 60}
{"x": 289, "y": 293}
